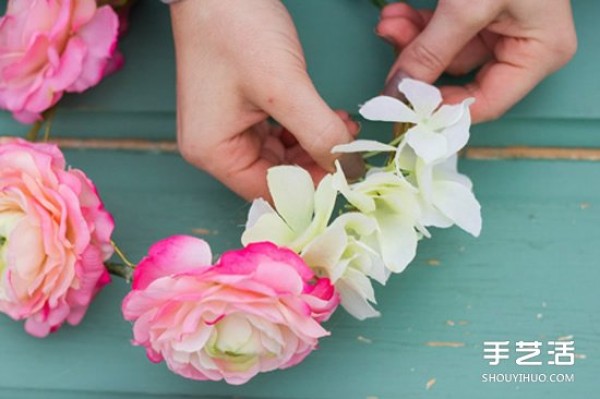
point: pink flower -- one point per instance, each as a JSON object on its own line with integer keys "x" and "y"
{"x": 258, "y": 309}
{"x": 49, "y": 47}
{"x": 54, "y": 237}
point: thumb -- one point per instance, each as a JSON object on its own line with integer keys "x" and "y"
{"x": 299, "y": 108}
{"x": 451, "y": 27}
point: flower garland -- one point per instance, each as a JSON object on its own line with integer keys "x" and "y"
{"x": 255, "y": 309}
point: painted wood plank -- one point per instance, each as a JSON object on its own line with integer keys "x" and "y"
{"x": 532, "y": 275}
{"x": 348, "y": 64}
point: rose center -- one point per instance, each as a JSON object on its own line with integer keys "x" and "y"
{"x": 8, "y": 221}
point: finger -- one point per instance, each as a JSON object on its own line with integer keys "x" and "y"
{"x": 289, "y": 140}
{"x": 493, "y": 96}
{"x": 298, "y": 107}
{"x": 243, "y": 169}
{"x": 476, "y": 53}
{"x": 398, "y": 31}
{"x": 402, "y": 10}
{"x": 433, "y": 50}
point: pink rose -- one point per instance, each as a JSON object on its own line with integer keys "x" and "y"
{"x": 258, "y": 309}
{"x": 49, "y": 47}
{"x": 54, "y": 237}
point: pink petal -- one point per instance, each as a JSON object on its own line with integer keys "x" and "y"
{"x": 100, "y": 37}
{"x": 172, "y": 255}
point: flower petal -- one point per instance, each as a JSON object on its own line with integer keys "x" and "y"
{"x": 458, "y": 203}
{"x": 398, "y": 239}
{"x": 293, "y": 193}
{"x": 387, "y": 109}
{"x": 363, "y": 146}
{"x": 428, "y": 145}
{"x": 354, "y": 303}
{"x": 423, "y": 97}
{"x": 172, "y": 255}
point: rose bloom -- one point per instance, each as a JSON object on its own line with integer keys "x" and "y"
{"x": 49, "y": 47}
{"x": 256, "y": 310}
{"x": 54, "y": 237}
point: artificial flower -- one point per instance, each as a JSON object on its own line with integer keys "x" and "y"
{"x": 437, "y": 132}
{"x": 300, "y": 213}
{"x": 257, "y": 309}
{"x": 54, "y": 237}
{"x": 393, "y": 203}
{"x": 49, "y": 47}
{"x": 446, "y": 196}
{"x": 346, "y": 252}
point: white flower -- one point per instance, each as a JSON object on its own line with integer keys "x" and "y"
{"x": 394, "y": 204}
{"x": 438, "y": 132}
{"x": 446, "y": 196}
{"x": 300, "y": 213}
{"x": 344, "y": 253}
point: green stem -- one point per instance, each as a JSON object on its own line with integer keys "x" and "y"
{"x": 122, "y": 256}
{"x": 33, "y": 133}
{"x": 120, "y": 270}
{"x": 47, "y": 117}
{"x": 379, "y": 3}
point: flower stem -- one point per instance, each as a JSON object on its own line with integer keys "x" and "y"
{"x": 32, "y": 134}
{"x": 120, "y": 270}
{"x": 122, "y": 256}
{"x": 47, "y": 117}
{"x": 379, "y": 3}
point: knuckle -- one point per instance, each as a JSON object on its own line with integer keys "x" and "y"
{"x": 193, "y": 153}
{"x": 325, "y": 137}
{"x": 565, "y": 48}
{"x": 426, "y": 57}
{"x": 468, "y": 12}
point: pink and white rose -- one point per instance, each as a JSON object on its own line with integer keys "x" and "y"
{"x": 257, "y": 309}
{"x": 49, "y": 47}
{"x": 54, "y": 237}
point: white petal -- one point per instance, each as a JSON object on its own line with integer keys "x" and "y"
{"x": 363, "y": 146}
{"x": 398, "y": 239}
{"x": 458, "y": 203}
{"x": 326, "y": 250}
{"x": 354, "y": 304}
{"x": 446, "y": 116}
{"x": 324, "y": 203}
{"x": 423, "y": 97}
{"x": 259, "y": 208}
{"x": 447, "y": 170}
{"x": 269, "y": 227}
{"x": 387, "y": 109}
{"x": 361, "y": 201}
{"x": 433, "y": 217}
{"x": 458, "y": 133}
{"x": 293, "y": 193}
{"x": 428, "y": 145}
{"x": 361, "y": 225}
{"x": 360, "y": 284}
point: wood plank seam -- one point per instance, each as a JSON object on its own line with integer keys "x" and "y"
{"x": 478, "y": 153}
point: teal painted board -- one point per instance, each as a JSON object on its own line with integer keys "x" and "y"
{"x": 348, "y": 64}
{"x": 531, "y": 275}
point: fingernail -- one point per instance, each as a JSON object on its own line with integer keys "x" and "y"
{"x": 359, "y": 128}
{"x": 353, "y": 166}
{"x": 391, "y": 87}
{"x": 388, "y": 39}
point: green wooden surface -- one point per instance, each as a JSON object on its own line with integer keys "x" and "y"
{"x": 533, "y": 274}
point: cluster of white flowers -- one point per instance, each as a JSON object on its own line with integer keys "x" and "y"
{"x": 392, "y": 206}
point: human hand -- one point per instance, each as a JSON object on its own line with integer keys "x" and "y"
{"x": 240, "y": 62}
{"x": 516, "y": 42}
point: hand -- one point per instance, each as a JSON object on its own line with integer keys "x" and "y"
{"x": 240, "y": 62}
{"x": 516, "y": 42}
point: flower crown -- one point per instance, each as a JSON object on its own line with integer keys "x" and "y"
{"x": 254, "y": 309}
